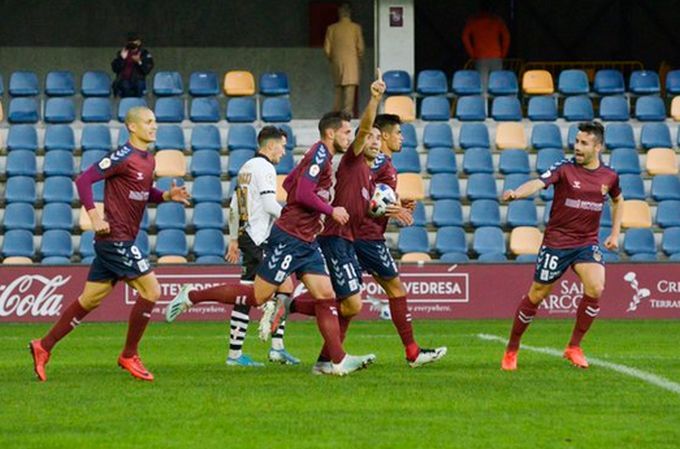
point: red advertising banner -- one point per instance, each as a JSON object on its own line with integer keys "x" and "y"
{"x": 465, "y": 291}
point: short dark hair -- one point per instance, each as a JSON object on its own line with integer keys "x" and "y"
{"x": 133, "y": 36}
{"x": 385, "y": 122}
{"x": 270, "y": 132}
{"x": 333, "y": 120}
{"x": 594, "y": 128}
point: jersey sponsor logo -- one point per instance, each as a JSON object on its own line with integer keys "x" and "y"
{"x": 104, "y": 163}
{"x": 138, "y": 196}
{"x": 585, "y": 205}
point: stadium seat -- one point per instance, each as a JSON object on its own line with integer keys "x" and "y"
{"x": 441, "y": 160}
{"x": 492, "y": 257}
{"x": 573, "y": 82}
{"x": 662, "y": 161}
{"x": 276, "y": 110}
{"x": 542, "y": 108}
{"x": 170, "y": 215}
{"x": 503, "y": 82}
{"x": 58, "y": 189}
{"x": 526, "y": 258}
{"x": 547, "y": 157}
{"x": 144, "y": 224}
{"x": 410, "y": 186}
{"x": 17, "y": 260}
{"x": 166, "y": 183}
{"x": 474, "y": 135}
{"x": 650, "y": 109}
{"x": 481, "y": 186}
{"x": 240, "y": 110}
{"x": 525, "y": 240}
{"x": 477, "y": 160}
{"x": 442, "y": 186}
{"x": 511, "y": 182}
{"x": 655, "y": 135}
{"x": 60, "y": 84}
{"x": 274, "y": 83}
{"x": 169, "y": 110}
{"x": 431, "y": 82}
{"x": 23, "y": 84}
{"x": 673, "y": 82}
{"x": 209, "y": 242}
{"x": 606, "y": 217}
{"x": 203, "y": 84}
{"x": 206, "y": 137}
{"x": 435, "y": 108}
{"x": 636, "y": 214}
{"x": 18, "y": 243}
{"x": 665, "y": 187}
{"x": 437, "y": 135}
{"x": 413, "y": 240}
{"x": 98, "y": 191}
{"x": 59, "y": 137}
{"x": 142, "y": 243}
{"x": 208, "y": 216}
{"x": 90, "y": 157}
{"x": 21, "y": 163}
{"x": 170, "y": 137}
{"x": 167, "y": 84}
{"x": 205, "y": 162}
{"x": 402, "y": 106}
{"x": 23, "y": 110}
{"x": 466, "y": 82}
{"x": 450, "y": 239}
{"x": 59, "y": 163}
{"x": 123, "y": 136}
{"x": 204, "y": 110}
{"x": 537, "y": 82}
{"x": 619, "y": 135}
{"x": 632, "y": 187}
{"x": 644, "y": 82}
{"x": 578, "y": 108}
{"x": 95, "y": 84}
{"x": 514, "y": 161}
{"x": 406, "y": 161}
{"x": 57, "y": 216}
{"x": 419, "y": 215}
{"x": 126, "y": 104}
{"x": 408, "y": 132}
{"x": 454, "y": 258}
{"x": 488, "y": 239}
{"x": 171, "y": 242}
{"x": 242, "y": 137}
{"x": 485, "y": 213}
{"x": 170, "y": 163}
{"x": 397, "y": 82}
{"x": 60, "y": 110}
{"x": 415, "y": 257}
{"x": 639, "y": 240}
{"x": 19, "y": 216}
{"x": 670, "y": 242}
{"x": 447, "y": 213}
{"x": 609, "y": 82}
{"x": 171, "y": 260}
{"x": 471, "y": 109}
{"x": 238, "y": 83}
{"x": 571, "y": 136}
{"x": 207, "y": 188}
{"x": 86, "y": 245}
{"x": 522, "y": 213}
{"x": 236, "y": 160}
{"x": 668, "y": 214}
{"x": 2, "y": 86}
{"x": 625, "y": 161}
{"x": 510, "y": 135}
{"x": 506, "y": 109}
{"x": 22, "y": 137}
{"x": 614, "y": 108}
{"x": 96, "y": 110}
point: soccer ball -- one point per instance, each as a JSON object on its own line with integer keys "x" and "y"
{"x": 383, "y": 196}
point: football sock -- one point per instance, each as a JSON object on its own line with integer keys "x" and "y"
{"x": 402, "y": 321}
{"x": 237, "y": 332}
{"x": 343, "y": 324}
{"x": 304, "y": 305}
{"x": 139, "y": 318}
{"x": 587, "y": 310}
{"x": 327, "y": 321}
{"x": 68, "y": 321}
{"x": 277, "y": 338}
{"x": 526, "y": 310}
{"x": 226, "y": 294}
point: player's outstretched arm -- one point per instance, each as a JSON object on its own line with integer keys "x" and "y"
{"x": 612, "y": 242}
{"x": 368, "y": 116}
{"x": 525, "y": 190}
{"x": 178, "y": 194}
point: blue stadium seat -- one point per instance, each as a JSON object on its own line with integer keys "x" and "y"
{"x": 431, "y": 82}
{"x": 578, "y": 108}
{"x": 655, "y": 135}
{"x": 614, "y": 108}
{"x": 606, "y": 217}
{"x": 171, "y": 242}
{"x": 208, "y": 216}
{"x": 95, "y": 137}
{"x": 205, "y": 137}
{"x": 466, "y": 82}
{"x": 59, "y": 163}
{"x": 511, "y": 182}
{"x": 86, "y": 244}
{"x": 644, "y": 82}
{"x": 514, "y": 161}
{"x": 55, "y": 260}
{"x": 435, "y": 108}
{"x": 242, "y": 137}
{"x": 492, "y": 257}
{"x": 481, "y": 186}
{"x": 571, "y": 136}
{"x": 144, "y": 224}
{"x": 650, "y": 109}
{"x": 240, "y": 110}
{"x": 2, "y": 86}
{"x": 58, "y": 189}
{"x": 274, "y": 83}
{"x": 506, "y": 109}
{"x": 90, "y": 157}
{"x": 488, "y": 239}
{"x": 437, "y": 135}
{"x": 22, "y": 137}
{"x": 167, "y": 83}
{"x": 625, "y": 161}
{"x": 96, "y": 110}
{"x": 639, "y": 240}
{"x": 98, "y": 191}
{"x": 643, "y": 257}
{"x": 441, "y": 160}
{"x": 204, "y": 110}
{"x": 406, "y": 161}
{"x": 471, "y": 109}
{"x": 18, "y": 242}
{"x": 454, "y": 258}
{"x": 546, "y": 212}
{"x": 59, "y": 137}
{"x": 209, "y": 242}
{"x": 23, "y": 110}
{"x": 142, "y": 243}
{"x": 609, "y": 82}
{"x": 60, "y": 110}
{"x": 477, "y": 160}
{"x": 673, "y": 82}
{"x": 542, "y": 108}
{"x": 447, "y": 213}
{"x": 503, "y": 82}
{"x": 276, "y": 110}
{"x": 526, "y": 258}
{"x": 21, "y": 163}
{"x": 668, "y": 214}
{"x": 444, "y": 186}
{"x": 236, "y": 160}
{"x": 170, "y": 137}
{"x": 57, "y": 216}
{"x": 210, "y": 260}
{"x": 450, "y": 239}
{"x": 96, "y": 84}
{"x": 291, "y": 141}
{"x": 670, "y": 242}
{"x": 573, "y": 82}
{"x": 205, "y": 162}
{"x": 419, "y": 217}
{"x": 127, "y": 103}
{"x": 58, "y": 84}
{"x": 619, "y": 135}
{"x": 203, "y": 84}
{"x": 413, "y": 240}
{"x": 408, "y": 131}
{"x": 165, "y": 183}
{"x": 169, "y": 110}
{"x": 665, "y": 187}
{"x": 547, "y": 157}
{"x": 286, "y": 164}
{"x": 19, "y": 216}
{"x": 474, "y": 135}
{"x": 522, "y": 213}
{"x": 485, "y": 213}
{"x": 397, "y": 82}
{"x": 171, "y": 215}
{"x": 632, "y": 187}
{"x": 23, "y": 84}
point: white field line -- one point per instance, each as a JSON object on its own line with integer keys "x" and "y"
{"x": 650, "y": 378}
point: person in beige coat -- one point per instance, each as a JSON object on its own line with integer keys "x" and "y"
{"x": 344, "y": 47}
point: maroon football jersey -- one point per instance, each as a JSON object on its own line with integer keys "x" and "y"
{"x": 383, "y": 172}
{"x": 577, "y": 204}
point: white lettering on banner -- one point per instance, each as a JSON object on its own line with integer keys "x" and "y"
{"x": 427, "y": 287}
{"x": 668, "y": 286}
{"x": 566, "y": 301}
{"x": 659, "y": 304}
{"x": 15, "y": 299}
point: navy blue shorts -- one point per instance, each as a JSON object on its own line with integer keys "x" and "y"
{"x": 285, "y": 254}
{"x": 343, "y": 265}
{"x": 117, "y": 260}
{"x": 552, "y": 263}
{"x": 375, "y": 258}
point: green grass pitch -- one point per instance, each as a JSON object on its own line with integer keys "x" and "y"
{"x": 464, "y": 401}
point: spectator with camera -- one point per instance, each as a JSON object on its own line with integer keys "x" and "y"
{"x": 131, "y": 65}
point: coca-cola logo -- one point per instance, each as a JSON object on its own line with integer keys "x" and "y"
{"x": 33, "y": 295}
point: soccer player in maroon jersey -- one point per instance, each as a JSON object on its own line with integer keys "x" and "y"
{"x": 571, "y": 237}
{"x": 128, "y": 175}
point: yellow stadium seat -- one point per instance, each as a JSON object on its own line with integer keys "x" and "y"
{"x": 402, "y": 106}
{"x": 636, "y": 214}
{"x": 410, "y": 186}
{"x": 170, "y": 163}
{"x": 662, "y": 161}
{"x": 238, "y": 83}
{"x": 171, "y": 259}
{"x": 84, "y": 219}
{"x": 525, "y": 240}
{"x": 537, "y": 82}
{"x": 675, "y": 108}
{"x": 416, "y": 257}
{"x": 281, "y": 194}
{"x": 510, "y": 135}
{"x": 17, "y": 260}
